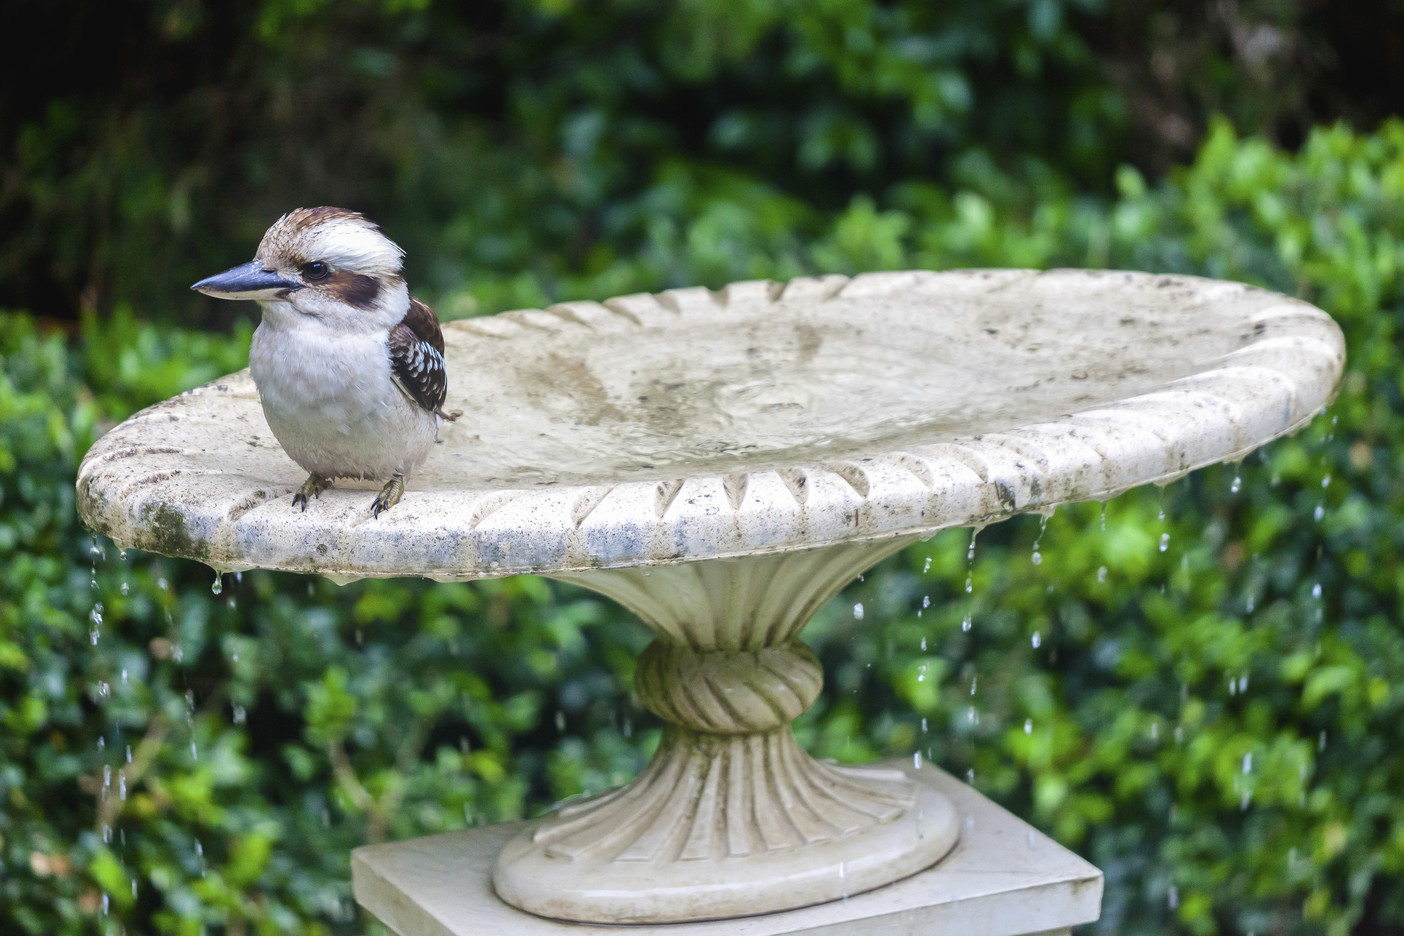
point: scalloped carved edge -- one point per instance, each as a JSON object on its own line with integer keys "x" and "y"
{"x": 948, "y": 483}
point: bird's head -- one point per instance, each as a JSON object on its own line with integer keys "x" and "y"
{"x": 326, "y": 264}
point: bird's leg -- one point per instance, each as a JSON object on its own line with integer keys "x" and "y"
{"x": 389, "y": 495}
{"x": 312, "y": 487}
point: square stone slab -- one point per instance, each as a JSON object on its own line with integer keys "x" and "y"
{"x": 1003, "y": 878}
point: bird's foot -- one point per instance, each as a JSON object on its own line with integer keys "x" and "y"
{"x": 312, "y": 487}
{"x": 389, "y": 495}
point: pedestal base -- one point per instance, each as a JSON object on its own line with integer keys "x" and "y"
{"x": 1003, "y": 878}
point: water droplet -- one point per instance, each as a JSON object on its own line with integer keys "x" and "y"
{"x": 218, "y": 585}
{"x": 1164, "y": 541}
{"x": 1236, "y": 485}
{"x": 121, "y": 786}
{"x": 1316, "y": 590}
{"x": 241, "y": 715}
{"x": 965, "y": 624}
{"x": 927, "y": 567}
{"x": 104, "y": 902}
{"x": 858, "y": 611}
{"x": 921, "y": 673}
{"x": 923, "y": 726}
{"x": 122, "y": 553}
{"x": 1037, "y": 557}
{"x": 194, "y": 754}
{"x": 1173, "y": 897}
{"x": 1243, "y": 803}
{"x": 1101, "y": 573}
{"x": 1326, "y": 481}
{"x": 1104, "y": 516}
{"x": 974, "y": 682}
{"x": 1321, "y": 740}
{"x": 923, "y": 643}
{"x": 1318, "y": 513}
{"x": 1248, "y": 762}
{"x": 1155, "y": 731}
{"x": 125, "y": 588}
{"x": 107, "y": 775}
{"x": 916, "y": 760}
{"x": 926, "y": 601}
{"x": 1036, "y": 640}
{"x": 1028, "y": 726}
{"x": 1248, "y": 605}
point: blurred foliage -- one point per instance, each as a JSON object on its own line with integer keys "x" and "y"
{"x": 1202, "y": 693}
{"x": 548, "y": 139}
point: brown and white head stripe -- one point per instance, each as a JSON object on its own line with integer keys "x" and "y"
{"x": 339, "y": 258}
{"x": 417, "y": 358}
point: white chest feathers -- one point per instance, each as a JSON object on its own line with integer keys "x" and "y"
{"x": 333, "y": 405}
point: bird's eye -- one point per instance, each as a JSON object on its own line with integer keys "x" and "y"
{"x": 317, "y": 269}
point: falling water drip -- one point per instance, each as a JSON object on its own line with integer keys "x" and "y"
{"x": 965, "y": 624}
{"x": 970, "y": 560}
{"x": 218, "y": 585}
{"x": 1028, "y": 726}
{"x": 1248, "y": 762}
{"x": 1315, "y": 591}
{"x": 858, "y": 611}
{"x": 1042, "y": 528}
{"x": 1036, "y": 640}
{"x": 1101, "y": 573}
{"x": 923, "y": 726}
{"x": 1319, "y": 512}
{"x": 1236, "y": 485}
{"x": 1104, "y": 516}
{"x": 916, "y": 760}
{"x": 923, "y": 643}
{"x": 1164, "y": 541}
{"x": 921, "y": 673}
{"x": 927, "y": 567}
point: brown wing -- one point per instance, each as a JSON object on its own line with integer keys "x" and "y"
{"x": 417, "y": 358}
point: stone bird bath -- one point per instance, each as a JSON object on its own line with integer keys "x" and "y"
{"x": 721, "y": 464}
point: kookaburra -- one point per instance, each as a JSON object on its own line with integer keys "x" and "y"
{"x": 349, "y": 366}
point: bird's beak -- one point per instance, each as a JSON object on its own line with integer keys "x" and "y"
{"x": 247, "y": 281}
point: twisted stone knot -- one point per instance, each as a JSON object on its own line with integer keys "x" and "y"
{"x": 728, "y": 692}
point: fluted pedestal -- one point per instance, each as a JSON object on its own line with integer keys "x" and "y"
{"x": 731, "y": 817}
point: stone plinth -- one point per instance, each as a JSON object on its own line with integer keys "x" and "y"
{"x": 1003, "y": 878}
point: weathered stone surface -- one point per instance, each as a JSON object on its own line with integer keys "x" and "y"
{"x": 759, "y": 418}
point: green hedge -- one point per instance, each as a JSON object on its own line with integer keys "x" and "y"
{"x": 1216, "y": 723}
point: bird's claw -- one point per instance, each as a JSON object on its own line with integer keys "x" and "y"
{"x": 313, "y": 486}
{"x": 389, "y": 496}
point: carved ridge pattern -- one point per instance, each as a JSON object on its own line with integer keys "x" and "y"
{"x": 704, "y": 797}
{"x": 728, "y": 691}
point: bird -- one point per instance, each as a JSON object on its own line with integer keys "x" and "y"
{"x": 349, "y": 367}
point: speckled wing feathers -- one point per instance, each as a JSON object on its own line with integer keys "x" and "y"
{"x": 417, "y": 358}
